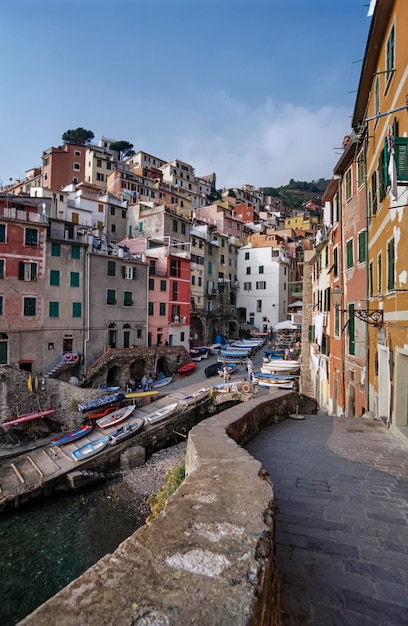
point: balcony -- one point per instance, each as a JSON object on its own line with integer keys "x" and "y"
{"x": 296, "y": 289}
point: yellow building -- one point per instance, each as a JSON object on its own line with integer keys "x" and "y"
{"x": 380, "y": 120}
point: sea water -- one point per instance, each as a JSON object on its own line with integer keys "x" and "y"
{"x": 45, "y": 546}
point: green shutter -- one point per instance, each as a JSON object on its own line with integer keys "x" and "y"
{"x": 401, "y": 157}
{"x": 362, "y": 246}
{"x": 351, "y": 328}
{"x": 391, "y": 265}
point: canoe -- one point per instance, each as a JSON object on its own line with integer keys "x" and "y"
{"x": 91, "y": 448}
{"x": 162, "y": 382}
{"x": 186, "y": 369}
{"x": 100, "y": 402}
{"x": 116, "y": 417}
{"x": 73, "y": 435}
{"x": 126, "y": 431}
{"x": 28, "y": 417}
{"x": 106, "y": 388}
{"x": 140, "y": 394}
{"x": 162, "y": 413}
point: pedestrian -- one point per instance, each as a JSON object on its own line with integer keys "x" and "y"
{"x": 150, "y": 382}
{"x": 250, "y": 367}
{"x": 144, "y": 383}
{"x": 227, "y": 375}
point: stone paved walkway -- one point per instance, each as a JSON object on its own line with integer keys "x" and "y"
{"x": 341, "y": 488}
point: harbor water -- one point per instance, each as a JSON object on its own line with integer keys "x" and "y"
{"x": 45, "y": 546}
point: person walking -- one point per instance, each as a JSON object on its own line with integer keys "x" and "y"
{"x": 227, "y": 375}
{"x": 144, "y": 383}
{"x": 250, "y": 368}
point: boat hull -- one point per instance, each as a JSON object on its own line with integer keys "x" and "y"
{"x": 73, "y": 435}
{"x": 116, "y": 417}
{"x": 98, "y": 403}
{"x": 162, "y": 414}
{"x": 91, "y": 448}
{"x": 28, "y": 417}
{"x": 128, "y": 430}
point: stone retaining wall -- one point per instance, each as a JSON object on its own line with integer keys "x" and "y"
{"x": 209, "y": 559}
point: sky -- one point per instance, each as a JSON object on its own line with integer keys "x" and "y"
{"x": 257, "y": 91}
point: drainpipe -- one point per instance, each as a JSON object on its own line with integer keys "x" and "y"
{"x": 367, "y": 334}
{"x": 342, "y": 287}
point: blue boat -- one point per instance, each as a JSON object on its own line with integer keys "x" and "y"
{"x": 73, "y": 435}
{"x": 97, "y": 403}
{"x": 91, "y": 448}
{"x": 234, "y": 354}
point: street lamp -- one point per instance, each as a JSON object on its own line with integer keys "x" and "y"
{"x": 373, "y": 316}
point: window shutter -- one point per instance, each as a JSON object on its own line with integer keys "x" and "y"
{"x": 20, "y": 270}
{"x": 384, "y": 161}
{"x": 351, "y": 328}
{"x": 401, "y": 157}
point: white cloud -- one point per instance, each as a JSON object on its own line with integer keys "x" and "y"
{"x": 266, "y": 146}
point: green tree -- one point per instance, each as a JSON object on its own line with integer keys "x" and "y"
{"x": 78, "y": 136}
{"x": 124, "y": 148}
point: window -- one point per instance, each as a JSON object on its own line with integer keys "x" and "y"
{"x": 175, "y": 268}
{"x": 193, "y": 281}
{"x": 74, "y": 279}
{"x": 348, "y": 188}
{"x": 75, "y": 252}
{"x": 100, "y": 208}
{"x": 223, "y": 259}
{"x": 262, "y": 284}
{"x": 27, "y": 271}
{"x": 390, "y": 53}
{"x": 111, "y": 268}
{"x": 259, "y": 306}
{"x": 54, "y": 309}
{"x": 29, "y": 306}
{"x": 31, "y": 237}
{"x": 111, "y": 296}
{"x": 209, "y": 267}
{"x": 129, "y": 273}
{"x": 163, "y": 285}
{"x": 351, "y": 331}
{"x": 374, "y": 199}
{"x": 76, "y": 153}
{"x": 183, "y": 228}
{"x": 75, "y": 179}
{"x": 370, "y": 280}
{"x": 127, "y": 298}
{"x": 379, "y": 268}
{"x": 200, "y": 281}
{"x": 76, "y": 309}
{"x": 151, "y": 284}
{"x": 54, "y": 278}
{"x": 108, "y": 165}
{"x": 113, "y": 228}
{"x": 182, "y": 336}
{"x": 247, "y": 286}
{"x": 112, "y": 210}
{"x": 139, "y": 332}
{"x": 2, "y": 233}
{"x": 77, "y": 166}
{"x": 1, "y": 305}
{"x": 391, "y": 265}
{"x": 246, "y": 256}
{"x": 55, "y": 249}
{"x": 174, "y": 290}
{"x": 377, "y": 96}
{"x": 162, "y": 308}
{"x": 98, "y": 162}
{"x": 362, "y": 246}
{"x": 361, "y": 169}
{"x": 100, "y": 176}
{"x": 151, "y": 308}
{"x": 261, "y": 269}
{"x": 175, "y": 226}
{"x": 248, "y": 271}
{"x": 349, "y": 254}
{"x": 401, "y": 159}
{"x": 2, "y": 266}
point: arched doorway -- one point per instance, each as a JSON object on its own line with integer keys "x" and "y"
{"x": 126, "y": 335}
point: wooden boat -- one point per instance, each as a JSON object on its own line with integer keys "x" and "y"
{"x": 186, "y": 369}
{"x": 162, "y": 413}
{"x": 193, "y": 398}
{"x": 162, "y": 382}
{"x": 126, "y": 431}
{"x": 28, "y": 417}
{"x": 141, "y": 394}
{"x": 73, "y": 435}
{"x": 100, "y": 402}
{"x": 91, "y": 448}
{"x": 116, "y": 417}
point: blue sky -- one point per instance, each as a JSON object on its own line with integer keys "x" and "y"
{"x": 257, "y": 91}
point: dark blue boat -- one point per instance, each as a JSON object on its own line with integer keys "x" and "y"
{"x": 97, "y": 403}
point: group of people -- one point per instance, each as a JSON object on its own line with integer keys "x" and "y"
{"x": 145, "y": 384}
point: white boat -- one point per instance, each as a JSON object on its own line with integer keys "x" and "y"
{"x": 91, "y": 448}
{"x": 161, "y": 414}
{"x": 233, "y": 387}
{"x": 193, "y": 398}
{"x": 162, "y": 382}
{"x": 214, "y": 348}
{"x": 280, "y": 366}
{"x": 107, "y": 421}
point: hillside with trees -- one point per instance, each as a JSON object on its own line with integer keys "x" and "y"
{"x": 297, "y": 192}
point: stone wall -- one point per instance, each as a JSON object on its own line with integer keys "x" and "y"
{"x": 210, "y": 557}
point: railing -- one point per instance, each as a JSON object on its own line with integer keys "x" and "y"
{"x": 23, "y": 216}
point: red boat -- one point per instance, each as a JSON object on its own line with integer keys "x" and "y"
{"x": 187, "y": 369}
{"x": 95, "y": 416}
{"x": 28, "y": 417}
{"x": 73, "y": 435}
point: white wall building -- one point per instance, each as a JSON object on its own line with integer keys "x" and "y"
{"x": 263, "y": 274}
